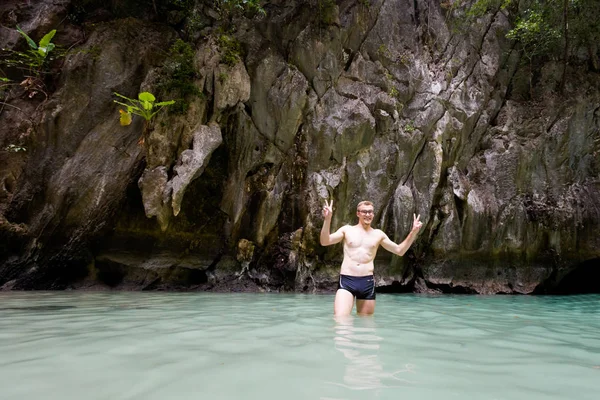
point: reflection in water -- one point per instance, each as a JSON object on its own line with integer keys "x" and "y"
{"x": 357, "y": 340}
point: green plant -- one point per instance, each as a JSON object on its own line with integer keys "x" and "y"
{"x": 35, "y": 58}
{"x": 546, "y": 29}
{"x": 326, "y": 10}
{"x": 535, "y": 35}
{"x": 39, "y": 52}
{"x": 145, "y": 106}
{"x": 465, "y": 14}
{"x": 13, "y": 148}
{"x": 404, "y": 59}
{"x": 5, "y": 83}
{"x": 399, "y": 107}
{"x": 409, "y": 127}
{"x": 394, "y": 92}
{"x": 383, "y": 51}
{"x": 33, "y": 62}
{"x": 178, "y": 76}
{"x": 195, "y": 22}
{"x": 229, "y": 8}
{"x": 231, "y": 49}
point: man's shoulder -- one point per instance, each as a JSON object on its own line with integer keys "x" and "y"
{"x": 378, "y": 232}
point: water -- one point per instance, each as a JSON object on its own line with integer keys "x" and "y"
{"x": 76, "y": 345}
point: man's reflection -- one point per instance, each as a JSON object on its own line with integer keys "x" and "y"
{"x": 357, "y": 340}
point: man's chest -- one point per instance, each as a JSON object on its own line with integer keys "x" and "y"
{"x": 358, "y": 239}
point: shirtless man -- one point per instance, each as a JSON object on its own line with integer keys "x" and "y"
{"x": 360, "y": 246}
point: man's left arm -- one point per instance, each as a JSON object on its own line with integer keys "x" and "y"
{"x": 401, "y": 248}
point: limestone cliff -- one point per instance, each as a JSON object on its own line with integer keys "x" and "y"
{"x": 383, "y": 100}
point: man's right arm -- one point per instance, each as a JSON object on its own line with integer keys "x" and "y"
{"x": 327, "y": 238}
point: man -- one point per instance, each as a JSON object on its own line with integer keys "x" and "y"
{"x": 361, "y": 242}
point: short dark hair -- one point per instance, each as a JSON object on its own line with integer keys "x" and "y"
{"x": 364, "y": 203}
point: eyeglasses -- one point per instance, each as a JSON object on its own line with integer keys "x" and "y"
{"x": 366, "y": 212}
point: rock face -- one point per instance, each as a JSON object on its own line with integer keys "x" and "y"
{"x": 382, "y": 100}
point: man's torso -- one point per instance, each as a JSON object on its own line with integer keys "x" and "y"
{"x": 360, "y": 247}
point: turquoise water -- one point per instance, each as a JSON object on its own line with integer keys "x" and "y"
{"x": 76, "y": 345}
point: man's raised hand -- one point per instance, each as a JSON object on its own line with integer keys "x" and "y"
{"x": 328, "y": 209}
{"x": 416, "y": 223}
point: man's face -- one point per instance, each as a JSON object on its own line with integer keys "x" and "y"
{"x": 365, "y": 214}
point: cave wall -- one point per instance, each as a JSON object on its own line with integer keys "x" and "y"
{"x": 382, "y": 100}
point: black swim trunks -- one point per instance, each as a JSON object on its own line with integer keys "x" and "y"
{"x": 362, "y": 287}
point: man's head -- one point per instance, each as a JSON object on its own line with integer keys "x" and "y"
{"x": 365, "y": 212}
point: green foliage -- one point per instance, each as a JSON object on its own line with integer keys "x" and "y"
{"x": 482, "y": 7}
{"x": 535, "y": 32}
{"x": 542, "y": 29}
{"x": 409, "y": 127}
{"x": 195, "y": 22}
{"x": 13, "y": 148}
{"x": 464, "y": 15}
{"x": 546, "y": 27}
{"x": 41, "y": 50}
{"x": 326, "y": 10}
{"x": 584, "y": 25}
{"x": 33, "y": 61}
{"x": 400, "y": 107}
{"x": 5, "y": 83}
{"x": 383, "y": 51}
{"x": 178, "y": 76}
{"x": 230, "y": 8}
{"x": 404, "y": 59}
{"x": 145, "y": 106}
{"x": 231, "y": 49}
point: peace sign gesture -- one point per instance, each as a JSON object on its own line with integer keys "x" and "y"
{"x": 416, "y": 223}
{"x": 328, "y": 209}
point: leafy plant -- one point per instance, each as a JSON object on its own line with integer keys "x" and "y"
{"x": 546, "y": 29}
{"x": 383, "y": 51}
{"x": 326, "y": 11}
{"x": 35, "y": 58}
{"x": 178, "y": 75}
{"x": 5, "y": 84}
{"x": 230, "y": 8}
{"x": 13, "y": 148}
{"x": 231, "y": 48}
{"x": 34, "y": 62}
{"x": 145, "y": 106}
{"x": 535, "y": 35}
